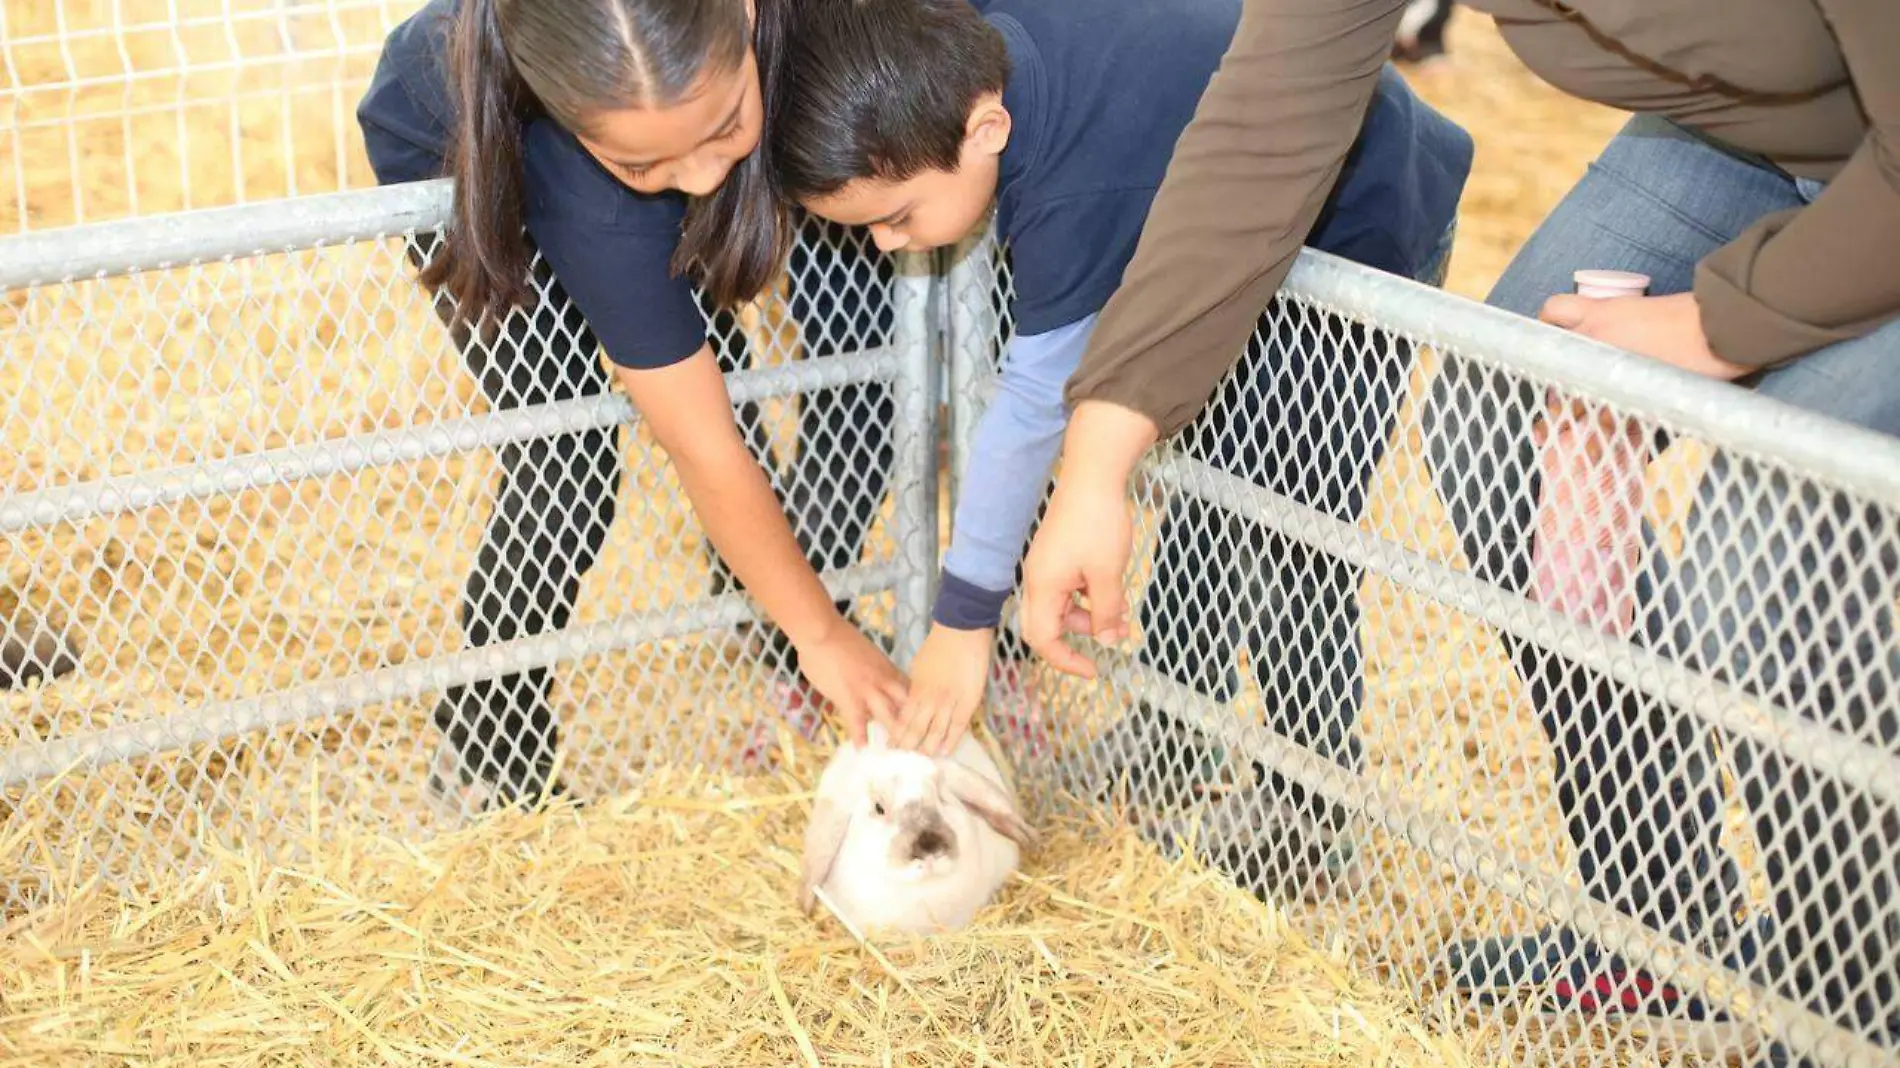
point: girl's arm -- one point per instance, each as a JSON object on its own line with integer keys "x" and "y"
{"x": 690, "y": 412}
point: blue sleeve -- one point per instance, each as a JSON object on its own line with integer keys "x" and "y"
{"x": 1012, "y": 451}
{"x": 405, "y": 113}
{"x": 611, "y": 249}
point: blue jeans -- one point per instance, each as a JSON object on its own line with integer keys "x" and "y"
{"x": 1784, "y": 591}
{"x": 1309, "y": 420}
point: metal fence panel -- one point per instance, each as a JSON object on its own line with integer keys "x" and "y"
{"x": 319, "y": 557}
{"x": 258, "y": 490}
{"x": 1648, "y": 811}
{"x": 118, "y": 108}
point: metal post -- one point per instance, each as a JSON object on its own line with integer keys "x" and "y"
{"x": 973, "y": 328}
{"x": 914, "y": 477}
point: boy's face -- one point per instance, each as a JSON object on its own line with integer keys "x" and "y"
{"x": 932, "y": 209}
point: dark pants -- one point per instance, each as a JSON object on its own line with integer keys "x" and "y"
{"x": 1308, "y": 418}
{"x": 556, "y": 499}
{"x": 840, "y": 297}
{"x": 1782, "y": 589}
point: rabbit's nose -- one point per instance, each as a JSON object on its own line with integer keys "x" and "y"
{"x": 929, "y": 843}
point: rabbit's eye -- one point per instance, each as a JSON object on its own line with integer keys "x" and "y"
{"x": 877, "y": 807}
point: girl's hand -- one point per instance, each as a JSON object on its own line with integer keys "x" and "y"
{"x": 946, "y": 687}
{"x": 855, "y": 678}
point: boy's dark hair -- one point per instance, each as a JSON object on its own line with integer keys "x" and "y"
{"x": 511, "y": 59}
{"x": 880, "y": 89}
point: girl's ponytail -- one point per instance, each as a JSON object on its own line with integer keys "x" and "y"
{"x": 483, "y": 263}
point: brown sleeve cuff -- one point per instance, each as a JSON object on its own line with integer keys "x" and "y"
{"x": 1743, "y": 330}
{"x": 1743, "y": 324}
{"x": 1167, "y": 379}
{"x": 1168, "y": 415}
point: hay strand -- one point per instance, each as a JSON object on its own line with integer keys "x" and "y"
{"x": 659, "y": 927}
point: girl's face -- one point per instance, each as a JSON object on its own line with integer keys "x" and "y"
{"x": 688, "y": 146}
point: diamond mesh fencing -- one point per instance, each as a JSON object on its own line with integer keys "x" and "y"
{"x": 1559, "y": 696}
{"x": 1564, "y": 695}
{"x": 118, "y": 108}
{"x": 300, "y": 552}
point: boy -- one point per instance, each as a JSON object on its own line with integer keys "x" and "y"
{"x": 915, "y": 117}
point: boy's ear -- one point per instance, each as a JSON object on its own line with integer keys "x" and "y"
{"x": 987, "y": 131}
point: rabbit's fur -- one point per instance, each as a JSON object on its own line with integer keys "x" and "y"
{"x": 905, "y": 842}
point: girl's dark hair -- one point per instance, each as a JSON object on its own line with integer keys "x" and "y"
{"x": 511, "y": 60}
{"x": 737, "y": 237}
{"x": 880, "y": 89}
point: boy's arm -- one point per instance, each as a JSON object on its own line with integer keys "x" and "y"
{"x": 1011, "y": 453}
{"x": 1012, "y": 450}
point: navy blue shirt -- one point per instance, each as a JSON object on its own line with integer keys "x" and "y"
{"x": 610, "y": 247}
{"x": 1098, "y": 94}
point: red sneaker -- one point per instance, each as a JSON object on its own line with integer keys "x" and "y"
{"x": 1016, "y": 715}
{"x": 797, "y": 704}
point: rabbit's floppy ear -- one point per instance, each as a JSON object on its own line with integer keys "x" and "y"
{"x": 839, "y": 787}
{"x": 824, "y": 837}
{"x": 981, "y": 795}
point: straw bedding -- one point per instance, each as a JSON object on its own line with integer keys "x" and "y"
{"x": 657, "y": 928}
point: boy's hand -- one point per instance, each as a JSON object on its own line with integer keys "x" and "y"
{"x": 946, "y": 687}
{"x": 856, "y": 678}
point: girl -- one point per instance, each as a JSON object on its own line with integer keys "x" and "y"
{"x": 576, "y": 131}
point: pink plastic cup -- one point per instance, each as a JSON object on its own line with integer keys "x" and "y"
{"x": 1589, "y": 524}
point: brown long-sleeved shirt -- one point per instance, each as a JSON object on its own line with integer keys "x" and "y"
{"x": 1813, "y": 86}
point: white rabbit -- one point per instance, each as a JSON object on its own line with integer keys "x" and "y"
{"x": 905, "y": 842}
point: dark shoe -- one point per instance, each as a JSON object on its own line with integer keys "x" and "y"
{"x": 1267, "y": 846}
{"x": 1174, "y": 782}
{"x": 487, "y": 766}
{"x": 452, "y": 781}
{"x": 1559, "y": 976}
{"x": 1491, "y": 967}
{"x": 30, "y": 650}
